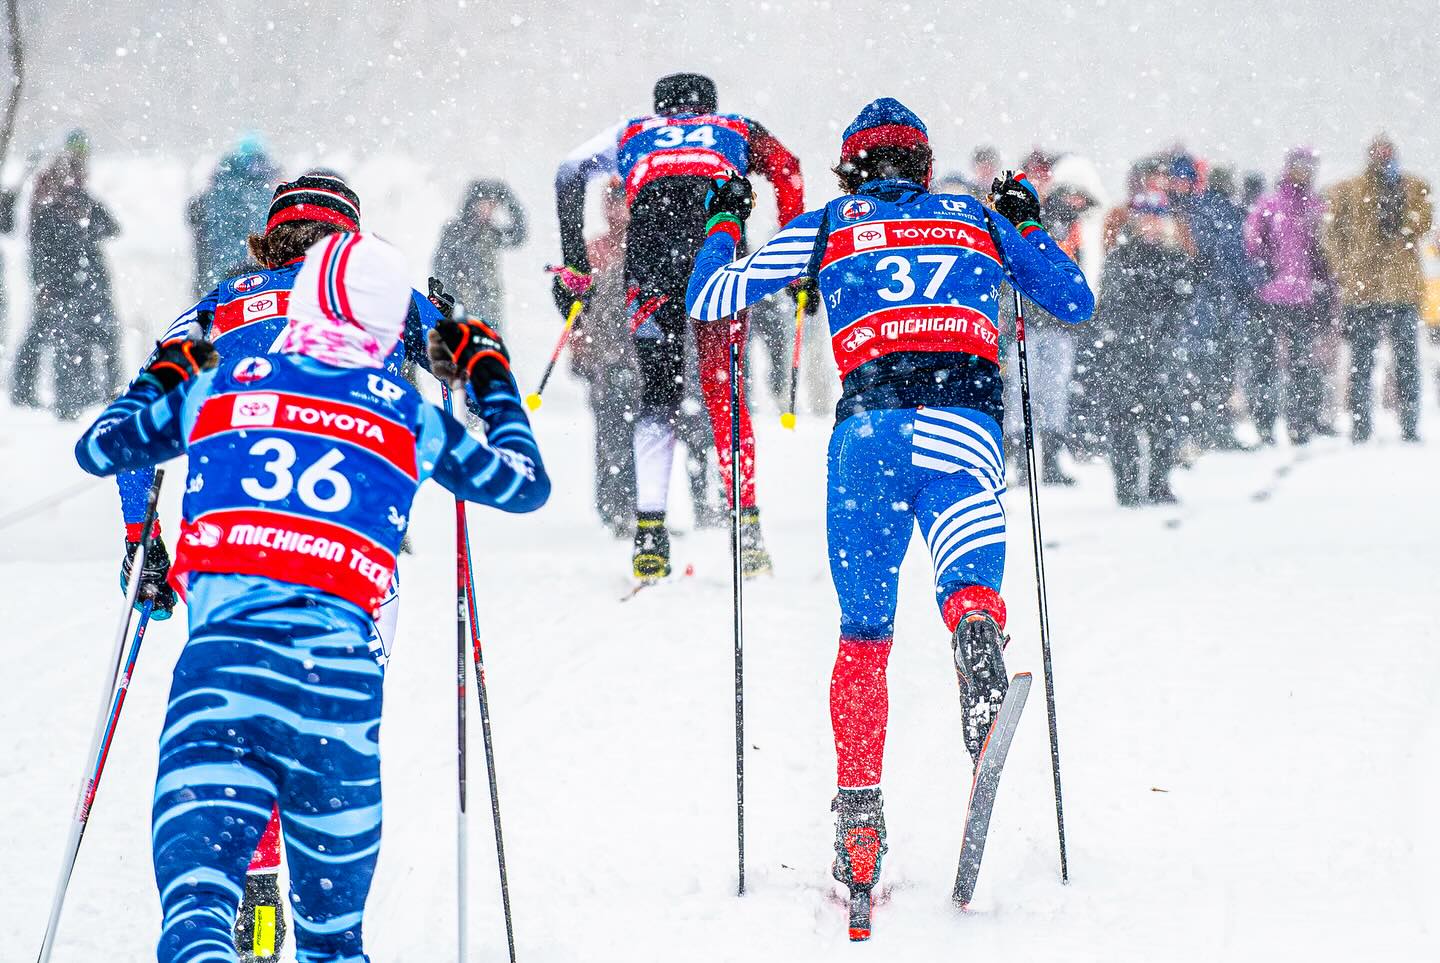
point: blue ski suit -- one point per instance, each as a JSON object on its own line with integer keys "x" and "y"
{"x": 301, "y": 476}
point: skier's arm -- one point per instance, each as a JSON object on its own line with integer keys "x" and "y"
{"x": 770, "y": 159}
{"x": 134, "y": 483}
{"x": 418, "y": 322}
{"x": 143, "y": 427}
{"x": 721, "y": 286}
{"x": 594, "y": 158}
{"x": 502, "y": 469}
{"x": 1042, "y": 271}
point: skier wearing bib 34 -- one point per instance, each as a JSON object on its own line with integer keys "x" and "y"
{"x": 303, "y": 465}
{"x": 911, "y": 282}
{"x": 667, "y": 161}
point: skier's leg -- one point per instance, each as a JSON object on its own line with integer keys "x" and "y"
{"x": 260, "y": 926}
{"x": 213, "y": 796}
{"x": 868, "y": 526}
{"x": 959, "y": 512}
{"x": 330, "y": 801}
{"x": 713, "y": 341}
{"x": 662, "y": 364}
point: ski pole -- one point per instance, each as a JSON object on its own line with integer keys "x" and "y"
{"x": 112, "y": 701}
{"x": 738, "y": 581}
{"x": 467, "y": 587}
{"x": 1038, "y": 541}
{"x": 532, "y": 401}
{"x": 462, "y": 833}
{"x": 787, "y": 417}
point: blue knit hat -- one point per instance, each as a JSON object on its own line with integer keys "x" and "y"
{"x": 883, "y": 123}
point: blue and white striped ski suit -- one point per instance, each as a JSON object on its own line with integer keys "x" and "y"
{"x": 942, "y": 468}
{"x": 276, "y": 698}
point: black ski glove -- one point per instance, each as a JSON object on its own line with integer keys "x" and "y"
{"x": 811, "y": 289}
{"x": 469, "y": 350}
{"x": 1016, "y": 199}
{"x": 443, "y": 300}
{"x": 729, "y": 200}
{"x": 178, "y": 360}
{"x": 153, "y": 577}
{"x": 571, "y": 284}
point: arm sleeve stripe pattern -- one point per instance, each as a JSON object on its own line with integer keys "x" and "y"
{"x": 740, "y": 284}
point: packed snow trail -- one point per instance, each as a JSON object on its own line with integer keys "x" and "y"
{"x": 1245, "y": 703}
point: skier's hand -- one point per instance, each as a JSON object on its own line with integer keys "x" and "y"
{"x": 469, "y": 350}
{"x": 153, "y": 584}
{"x": 729, "y": 200}
{"x": 571, "y": 284}
{"x": 811, "y": 289}
{"x": 178, "y": 360}
{"x": 443, "y": 300}
{"x": 1016, "y": 199}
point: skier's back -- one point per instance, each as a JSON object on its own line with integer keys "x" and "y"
{"x": 303, "y": 466}
{"x": 666, "y": 161}
{"x": 910, "y": 281}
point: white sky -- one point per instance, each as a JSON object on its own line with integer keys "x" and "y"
{"x": 478, "y": 87}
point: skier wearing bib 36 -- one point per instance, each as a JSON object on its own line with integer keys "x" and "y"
{"x": 910, "y": 281}
{"x": 667, "y": 162}
{"x": 303, "y": 465}
{"x": 244, "y": 316}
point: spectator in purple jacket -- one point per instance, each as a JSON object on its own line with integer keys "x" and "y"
{"x": 1283, "y": 235}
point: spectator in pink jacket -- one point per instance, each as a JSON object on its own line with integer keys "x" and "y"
{"x": 1283, "y": 234}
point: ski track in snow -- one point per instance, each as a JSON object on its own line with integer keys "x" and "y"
{"x": 1270, "y": 665}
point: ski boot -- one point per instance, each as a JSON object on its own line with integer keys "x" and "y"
{"x": 980, "y": 666}
{"x": 260, "y": 922}
{"x": 859, "y": 847}
{"x": 754, "y": 559}
{"x": 651, "y": 559}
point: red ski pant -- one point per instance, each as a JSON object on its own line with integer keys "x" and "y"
{"x": 712, "y": 342}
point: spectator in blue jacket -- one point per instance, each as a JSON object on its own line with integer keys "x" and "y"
{"x": 228, "y": 211}
{"x": 1225, "y": 282}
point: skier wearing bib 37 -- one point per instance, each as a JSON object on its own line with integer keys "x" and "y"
{"x": 667, "y": 161}
{"x": 303, "y": 465}
{"x": 911, "y": 282}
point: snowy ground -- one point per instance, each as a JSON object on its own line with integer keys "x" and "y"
{"x": 1246, "y": 691}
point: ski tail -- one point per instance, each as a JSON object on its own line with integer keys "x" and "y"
{"x": 987, "y": 782}
{"x": 859, "y": 915}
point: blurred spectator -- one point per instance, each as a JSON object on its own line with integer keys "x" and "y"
{"x": 467, "y": 257}
{"x": 1051, "y": 349}
{"x": 1146, "y": 291}
{"x": 603, "y": 354}
{"x": 1147, "y": 176}
{"x": 1283, "y": 235}
{"x": 1254, "y": 188}
{"x": 228, "y": 211}
{"x": 73, "y": 311}
{"x": 984, "y": 168}
{"x": 1430, "y": 259}
{"x": 7, "y": 224}
{"x": 1373, "y": 234}
{"x": 1037, "y": 167}
{"x": 1224, "y": 291}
